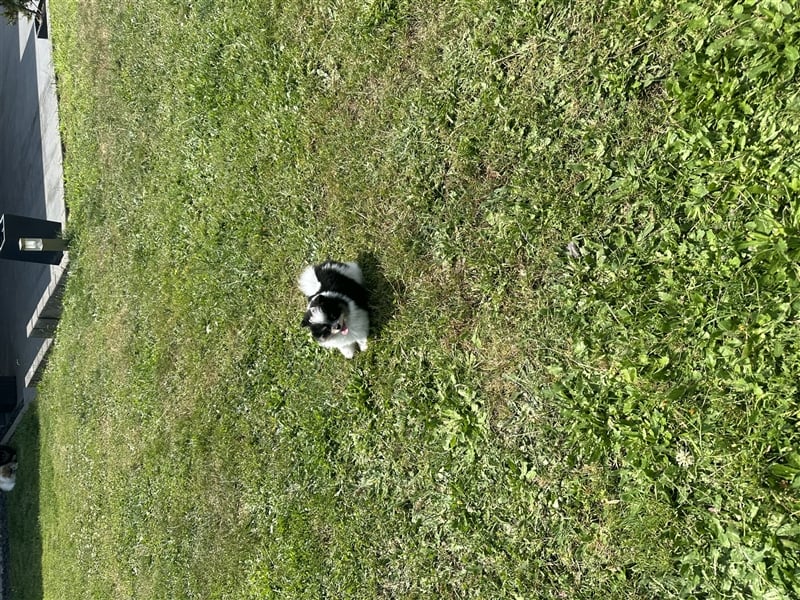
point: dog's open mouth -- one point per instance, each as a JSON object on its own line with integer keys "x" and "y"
{"x": 341, "y": 325}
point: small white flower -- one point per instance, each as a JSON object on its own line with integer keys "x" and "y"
{"x": 684, "y": 458}
{"x": 573, "y": 250}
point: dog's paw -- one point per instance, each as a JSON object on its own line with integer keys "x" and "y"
{"x": 348, "y": 351}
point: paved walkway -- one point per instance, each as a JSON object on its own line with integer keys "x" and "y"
{"x": 31, "y": 184}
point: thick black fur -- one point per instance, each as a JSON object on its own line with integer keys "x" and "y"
{"x": 333, "y": 281}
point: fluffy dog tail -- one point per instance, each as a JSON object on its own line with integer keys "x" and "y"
{"x": 308, "y": 282}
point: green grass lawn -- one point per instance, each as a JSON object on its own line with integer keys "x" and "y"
{"x": 23, "y": 507}
{"x": 580, "y": 224}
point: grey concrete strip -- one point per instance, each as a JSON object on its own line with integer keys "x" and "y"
{"x": 31, "y": 184}
{"x": 50, "y": 303}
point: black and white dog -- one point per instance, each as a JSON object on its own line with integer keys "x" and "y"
{"x": 8, "y": 468}
{"x": 338, "y": 306}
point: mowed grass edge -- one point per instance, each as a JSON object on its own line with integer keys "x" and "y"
{"x": 580, "y": 223}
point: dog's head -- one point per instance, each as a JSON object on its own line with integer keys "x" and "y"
{"x": 8, "y": 476}
{"x": 326, "y": 317}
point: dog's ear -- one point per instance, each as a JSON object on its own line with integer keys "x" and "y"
{"x": 306, "y": 320}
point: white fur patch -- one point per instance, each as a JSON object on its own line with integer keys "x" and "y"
{"x": 317, "y": 315}
{"x": 308, "y": 282}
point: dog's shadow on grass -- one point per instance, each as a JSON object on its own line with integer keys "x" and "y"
{"x": 383, "y": 294}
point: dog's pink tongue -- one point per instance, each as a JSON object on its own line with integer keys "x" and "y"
{"x": 344, "y": 331}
